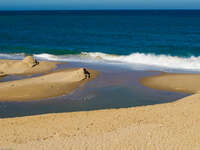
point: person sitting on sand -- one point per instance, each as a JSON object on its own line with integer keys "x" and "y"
{"x": 30, "y": 61}
{"x": 87, "y": 74}
{"x": 36, "y": 63}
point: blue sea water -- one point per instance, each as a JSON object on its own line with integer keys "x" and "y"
{"x": 168, "y": 39}
{"x": 138, "y": 40}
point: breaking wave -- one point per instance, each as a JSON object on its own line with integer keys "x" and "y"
{"x": 132, "y": 60}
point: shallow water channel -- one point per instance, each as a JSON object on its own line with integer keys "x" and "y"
{"x": 116, "y": 87}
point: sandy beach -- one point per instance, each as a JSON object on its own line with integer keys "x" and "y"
{"x": 99, "y": 75}
{"x": 187, "y": 83}
{"x": 25, "y": 67}
{"x": 167, "y": 126}
{"x": 52, "y": 84}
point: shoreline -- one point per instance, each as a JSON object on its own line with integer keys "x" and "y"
{"x": 51, "y": 83}
{"x": 57, "y": 83}
{"x": 169, "y": 126}
{"x": 176, "y": 82}
{"x": 114, "y": 88}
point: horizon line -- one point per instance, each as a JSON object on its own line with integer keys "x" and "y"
{"x": 138, "y": 9}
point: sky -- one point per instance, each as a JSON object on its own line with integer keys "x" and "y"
{"x": 97, "y": 4}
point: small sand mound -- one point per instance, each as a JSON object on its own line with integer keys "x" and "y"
{"x": 2, "y": 74}
{"x": 31, "y": 61}
{"x": 27, "y": 66}
{"x": 74, "y": 75}
{"x": 78, "y": 75}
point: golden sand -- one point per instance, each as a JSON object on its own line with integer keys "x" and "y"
{"x": 187, "y": 83}
{"x": 10, "y": 67}
{"x": 53, "y": 84}
{"x": 170, "y": 126}
{"x": 50, "y": 85}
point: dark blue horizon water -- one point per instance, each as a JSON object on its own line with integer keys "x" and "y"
{"x": 122, "y": 32}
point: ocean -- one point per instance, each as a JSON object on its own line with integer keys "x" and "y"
{"x": 122, "y": 45}
{"x": 138, "y": 39}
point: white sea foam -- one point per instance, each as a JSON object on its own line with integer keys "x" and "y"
{"x": 134, "y": 61}
{"x": 165, "y": 61}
